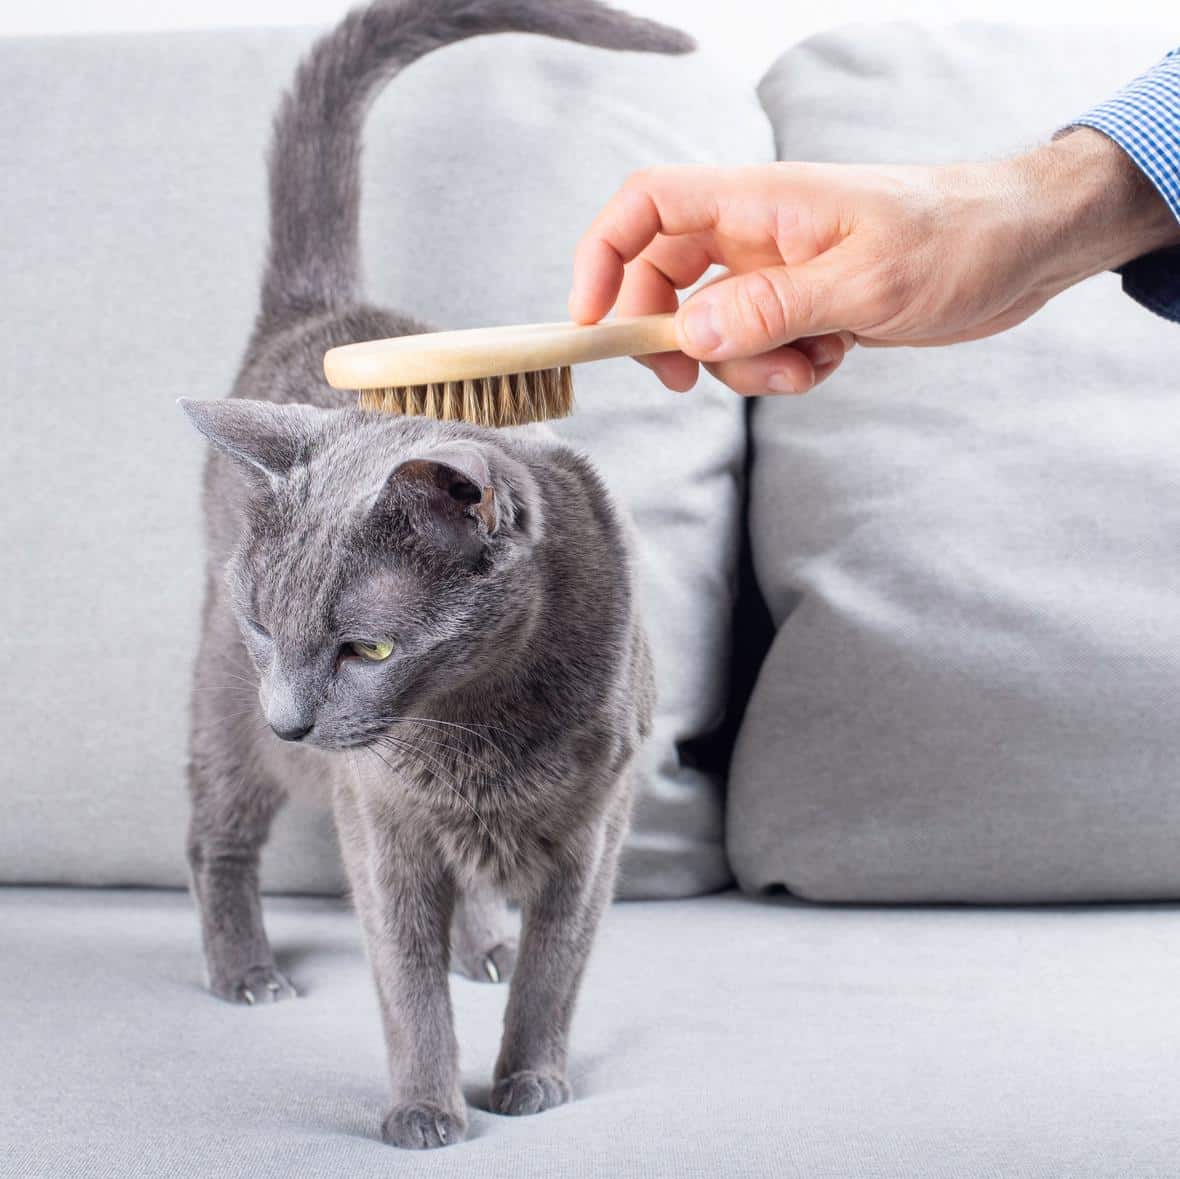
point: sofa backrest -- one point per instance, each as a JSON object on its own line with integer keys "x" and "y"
{"x": 131, "y": 227}
{"x": 972, "y": 691}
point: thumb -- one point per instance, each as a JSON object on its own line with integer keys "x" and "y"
{"x": 748, "y": 314}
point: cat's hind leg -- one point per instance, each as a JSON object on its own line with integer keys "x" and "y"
{"x": 483, "y": 934}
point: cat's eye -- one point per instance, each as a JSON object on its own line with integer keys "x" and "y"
{"x": 374, "y": 652}
{"x": 258, "y": 628}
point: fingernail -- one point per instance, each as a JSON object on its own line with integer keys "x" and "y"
{"x": 849, "y": 340}
{"x": 781, "y": 383}
{"x": 700, "y": 326}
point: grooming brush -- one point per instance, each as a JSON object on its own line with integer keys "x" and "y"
{"x": 500, "y": 376}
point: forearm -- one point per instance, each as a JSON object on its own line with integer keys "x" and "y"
{"x": 1089, "y": 207}
{"x": 1143, "y": 120}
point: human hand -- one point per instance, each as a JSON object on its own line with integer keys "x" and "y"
{"x": 822, "y": 255}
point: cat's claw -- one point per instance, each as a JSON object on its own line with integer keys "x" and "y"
{"x": 484, "y": 936}
{"x": 528, "y": 1092}
{"x": 421, "y": 1126}
{"x": 259, "y": 985}
{"x": 500, "y": 962}
{"x": 494, "y": 965}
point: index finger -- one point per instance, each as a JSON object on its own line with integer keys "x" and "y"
{"x": 670, "y": 201}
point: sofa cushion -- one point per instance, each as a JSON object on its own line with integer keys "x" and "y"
{"x": 722, "y": 1036}
{"x": 971, "y": 552}
{"x": 131, "y": 224}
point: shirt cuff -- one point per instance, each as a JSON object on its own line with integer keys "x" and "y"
{"x": 1144, "y": 120}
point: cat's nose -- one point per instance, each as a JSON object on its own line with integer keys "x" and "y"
{"x": 287, "y": 715}
{"x": 296, "y": 733}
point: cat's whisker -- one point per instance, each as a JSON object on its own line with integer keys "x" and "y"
{"x": 429, "y": 720}
{"x": 239, "y": 685}
{"x": 232, "y": 716}
{"x": 456, "y": 749}
{"x": 436, "y": 763}
{"x": 454, "y": 790}
{"x": 235, "y": 663}
{"x": 446, "y": 779}
{"x": 468, "y": 724}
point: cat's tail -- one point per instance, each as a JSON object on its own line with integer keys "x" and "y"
{"x": 313, "y": 264}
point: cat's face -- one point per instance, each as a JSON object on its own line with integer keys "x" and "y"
{"x": 383, "y": 564}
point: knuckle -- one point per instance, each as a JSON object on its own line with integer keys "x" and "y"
{"x": 635, "y": 202}
{"x": 788, "y": 173}
{"x": 768, "y": 306}
{"x": 639, "y": 181}
{"x": 650, "y": 186}
{"x": 745, "y": 380}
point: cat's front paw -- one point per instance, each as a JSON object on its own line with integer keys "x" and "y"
{"x": 259, "y": 984}
{"x": 422, "y": 1126}
{"x": 527, "y": 1092}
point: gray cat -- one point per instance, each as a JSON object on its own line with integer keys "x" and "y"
{"x": 438, "y": 621}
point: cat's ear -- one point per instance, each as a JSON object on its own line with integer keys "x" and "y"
{"x": 267, "y": 439}
{"x": 452, "y": 483}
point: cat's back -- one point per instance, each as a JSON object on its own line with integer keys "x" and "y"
{"x": 583, "y": 520}
{"x": 589, "y": 557}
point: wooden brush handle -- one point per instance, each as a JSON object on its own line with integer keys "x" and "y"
{"x": 490, "y": 352}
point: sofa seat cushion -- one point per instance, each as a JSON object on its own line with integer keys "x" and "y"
{"x": 722, "y": 1036}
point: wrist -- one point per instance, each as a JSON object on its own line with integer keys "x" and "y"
{"x": 1089, "y": 207}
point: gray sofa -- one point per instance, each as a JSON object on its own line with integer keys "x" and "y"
{"x": 966, "y": 693}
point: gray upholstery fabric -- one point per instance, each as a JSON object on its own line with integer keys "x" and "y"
{"x": 131, "y": 226}
{"x": 721, "y": 1036}
{"x": 970, "y": 553}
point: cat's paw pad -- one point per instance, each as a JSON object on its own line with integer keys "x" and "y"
{"x": 486, "y": 965}
{"x": 528, "y": 1092}
{"x": 422, "y": 1126}
{"x": 259, "y": 985}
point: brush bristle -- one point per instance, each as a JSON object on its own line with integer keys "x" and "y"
{"x": 513, "y": 400}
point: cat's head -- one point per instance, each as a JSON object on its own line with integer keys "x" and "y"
{"x": 383, "y": 562}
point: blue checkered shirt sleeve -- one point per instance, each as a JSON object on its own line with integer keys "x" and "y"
{"x": 1144, "y": 120}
